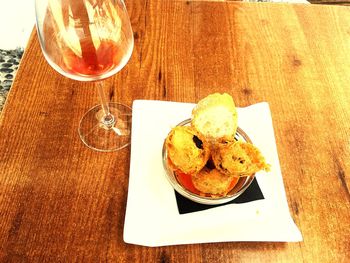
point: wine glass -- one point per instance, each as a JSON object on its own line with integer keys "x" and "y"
{"x": 90, "y": 40}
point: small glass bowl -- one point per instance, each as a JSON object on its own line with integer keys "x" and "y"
{"x": 242, "y": 184}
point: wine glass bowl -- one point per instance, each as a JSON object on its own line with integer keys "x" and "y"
{"x": 90, "y": 40}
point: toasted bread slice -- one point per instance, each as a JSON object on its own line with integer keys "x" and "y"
{"x": 211, "y": 181}
{"x": 215, "y": 116}
{"x": 187, "y": 150}
{"x": 238, "y": 158}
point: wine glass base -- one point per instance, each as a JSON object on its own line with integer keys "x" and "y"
{"x": 104, "y": 136}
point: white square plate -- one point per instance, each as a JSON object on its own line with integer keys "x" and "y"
{"x": 152, "y": 217}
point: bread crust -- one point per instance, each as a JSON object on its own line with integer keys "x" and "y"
{"x": 215, "y": 117}
{"x": 211, "y": 181}
{"x": 238, "y": 158}
{"x": 188, "y": 151}
{"x": 207, "y": 150}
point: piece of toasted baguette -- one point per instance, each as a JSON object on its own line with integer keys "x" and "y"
{"x": 215, "y": 116}
{"x": 187, "y": 150}
{"x": 211, "y": 181}
{"x": 238, "y": 158}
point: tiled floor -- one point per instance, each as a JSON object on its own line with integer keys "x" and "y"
{"x": 9, "y": 62}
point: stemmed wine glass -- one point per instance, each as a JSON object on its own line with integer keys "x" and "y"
{"x": 90, "y": 40}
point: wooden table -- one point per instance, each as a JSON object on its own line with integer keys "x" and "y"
{"x": 330, "y": 2}
{"x": 62, "y": 202}
{"x": 322, "y": 2}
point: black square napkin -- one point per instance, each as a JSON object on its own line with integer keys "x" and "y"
{"x": 252, "y": 193}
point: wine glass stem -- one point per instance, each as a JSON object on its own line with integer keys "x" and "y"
{"x": 108, "y": 119}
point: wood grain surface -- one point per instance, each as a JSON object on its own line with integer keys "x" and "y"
{"x": 320, "y": 2}
{"x": 330, "y": 2}
{"x": 62, "y": 202}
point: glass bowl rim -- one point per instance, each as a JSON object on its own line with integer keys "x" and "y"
{"x": 171, "y": 177}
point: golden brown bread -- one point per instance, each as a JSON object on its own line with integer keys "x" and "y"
{"x": 187, "y": 150}
{"x": 212, "y": 181}
{"x": 238, "y": 158}
{"x": 212, "y": 131}
{"x": 215, "y": 116}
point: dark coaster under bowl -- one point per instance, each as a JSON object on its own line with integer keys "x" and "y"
{"x": 252, "y": 193}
